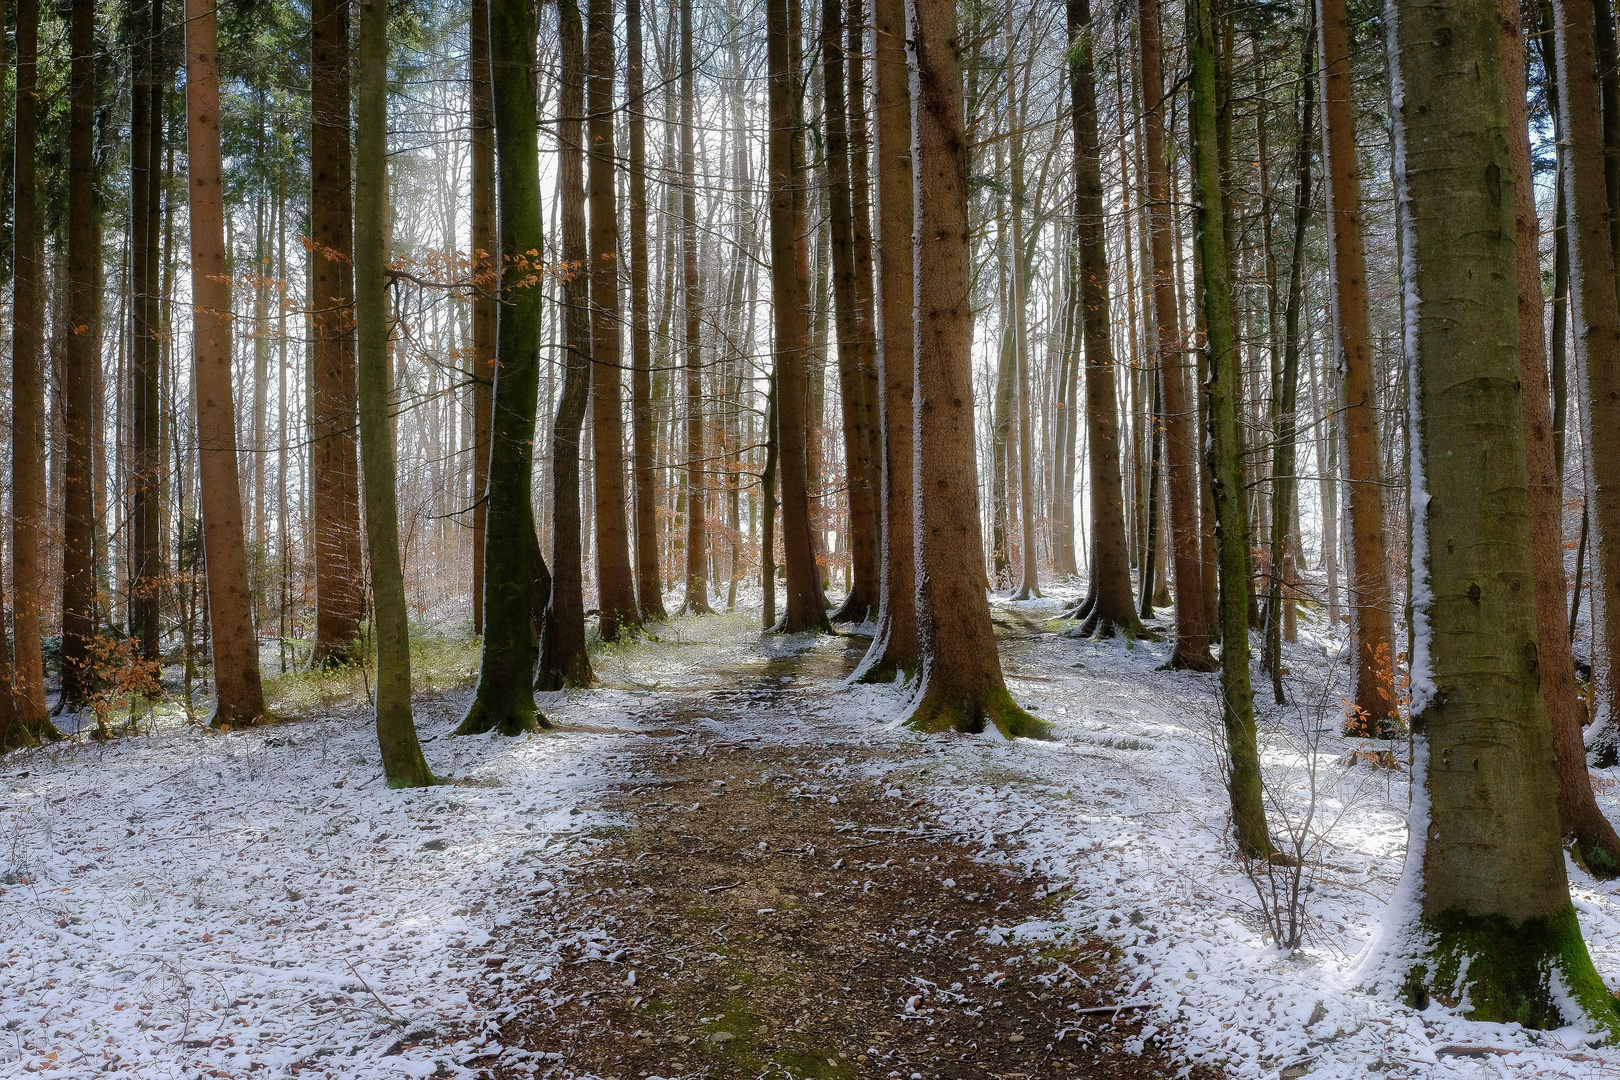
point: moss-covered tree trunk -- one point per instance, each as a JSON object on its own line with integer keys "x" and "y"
{"x": 894, "y": 646}
{"x": 396, "y": 729}
{"x": 564, "y": 660}
{"x": 1225, "y": 449}
{"x": 504, "y": 700}
{"x": 240, "y": 698}
{"x": 486, "y": 279}
{"x": 961, "y": 686}
{"x": 1486, "y": 899}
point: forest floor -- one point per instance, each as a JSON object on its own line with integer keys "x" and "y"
{"x": 724, "y": 862}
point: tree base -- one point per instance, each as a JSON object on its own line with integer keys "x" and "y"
{"x": 1508, "y": 973}
{"x": 1181, "y": 662}
{"x": 515, "y": 716}
{"x": 854, "y": 609}
{"x": 936, "y": 712}
{"x": 1099, "y": 627}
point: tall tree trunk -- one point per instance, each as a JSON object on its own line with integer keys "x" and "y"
{"x": 28, "y": 490}
{"x": 862, "y": 532}
{"x": 894, "y": 645}
{"x": 649, "y": 582}
{"x": 1485, "y": 882}
{"x": 697, "y": 540}
{"x": 486, "y": 278}
{"x": 1596, "y": 312}
{"x": 504, "y": 700}
{"x": 396, "y": 730}
{"x": 1243, "y": 779}
{"x": 615, "y": 586}
{"x": 790, "y": 272}
{"x": 81, "y": 367}
{"x": 1284, "y": 480}
{"x": 961, "y": 685}
{"x": 339, "y": 587}
{"x": 1373, "y": 697}
{"x": 1018, "y": 296}
{"x": 1181, "y": 461}
{"x": 860, "y": 169}
{"x": 1113, "y": 609}
{"x": 564, "y": 660}
{"x": 240, "y": 698}
{"x": 146, "y": 162}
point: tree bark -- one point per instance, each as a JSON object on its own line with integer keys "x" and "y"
{"x": 486, "y": 278}
{"x": 790, "y": 271}
{"x": 146, "y": 561}
{"x": 28, "y": 490}
{"x": 615, "y": 586}
{"x": 961, "y": 687}
{"x": 1493, "y": 916}
{"x": 1374, "y": 708}
{"x": 240, "y": 698}
{"x": 396, "y": 729}
{"x": 564, "y": 660}
{"x": 643, "y": 425}
{"x": 1181, "y": 461}
{"x": 504, "y": 700}
{"x": 697, "y": 489}
{"x": 894, "y": 646}
{"x": 339, "y": 586}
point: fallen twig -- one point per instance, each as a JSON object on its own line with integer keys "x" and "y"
{"x": 723, "y": 888}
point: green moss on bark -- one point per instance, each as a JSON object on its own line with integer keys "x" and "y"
{"x": 939, "y": 712}
{"x": 1507, "y": 973}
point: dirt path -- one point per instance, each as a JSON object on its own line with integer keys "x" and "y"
{"x": 775, "y": 910}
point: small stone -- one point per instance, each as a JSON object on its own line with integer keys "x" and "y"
{"x": 721, "y": 1037}
{"x": 1015, "y": 1038}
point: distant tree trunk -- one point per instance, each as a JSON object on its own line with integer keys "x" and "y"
{"x": 240, "y": 698}
{"x": 697, "y": 489}
{"x": 961, "y": 685}
{"x": 1372, "y": 630}
{"x": 28, "y": 490}
{"x": 615, "y": 586}
{"x": 649, "y": 582}
{"x": 486, "y": 276}
{"x": 1596, "y": 312}
{"x": 767, "y": 532}
{"x": 504, "y": 700}
{"x": 790, "y": 271}
{"x": 1284, "y": 480}
{"x": 1489, "y": 900}
{"x": 860, "y": 168}
{"x": 894, "y": 645}
{"x": 1113, "y": 609}
{"x": 339, "y": 588}
{"x": 396, "y": 730}
{"x": 146, "y": 163}
{"x": 862, "y": 538}
{"x": 564, "y": 660}
{"x": 1181, "y": 460}
{"x": 81, "y": 367}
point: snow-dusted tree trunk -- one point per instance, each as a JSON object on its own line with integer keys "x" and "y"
{"x": 1483, "y": 915}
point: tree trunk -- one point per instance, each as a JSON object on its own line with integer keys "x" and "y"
{"x": 1113, "y": 609}
{"x": 790, "y": 271}
{"x": 615, "y": 587}
{"x": 1225, "y": 450}
{"x": 860, "y": 168}
{"x": 503, "y": 700}
{"x": 862, "y": 533}
{"x": 396, "y": 730}
{"x": 1485, "y": 883}
{"x": 894, "y": 645}
{"x": 961, "y": 685}
{"x": 697, "y": 540}
{"x": 339, "y": 585}
{"x": 1017, "y": 294}
{"x": 146, "y": 162}
{"x": 240, "y": 698}
{"x": 564, "y": 660}
{"x": 1374, "y": 709}
{"x": 28, "y": 490}
{"x": 486, "y": 276}
{"x": 649, "y": 582}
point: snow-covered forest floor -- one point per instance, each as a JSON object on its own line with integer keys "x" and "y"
{"x": 724, "y": 862}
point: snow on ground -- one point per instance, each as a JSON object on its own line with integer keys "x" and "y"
{"x": 182, "y": 903}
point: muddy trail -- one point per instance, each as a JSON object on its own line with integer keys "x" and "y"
{"x": 788, "y": 908}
